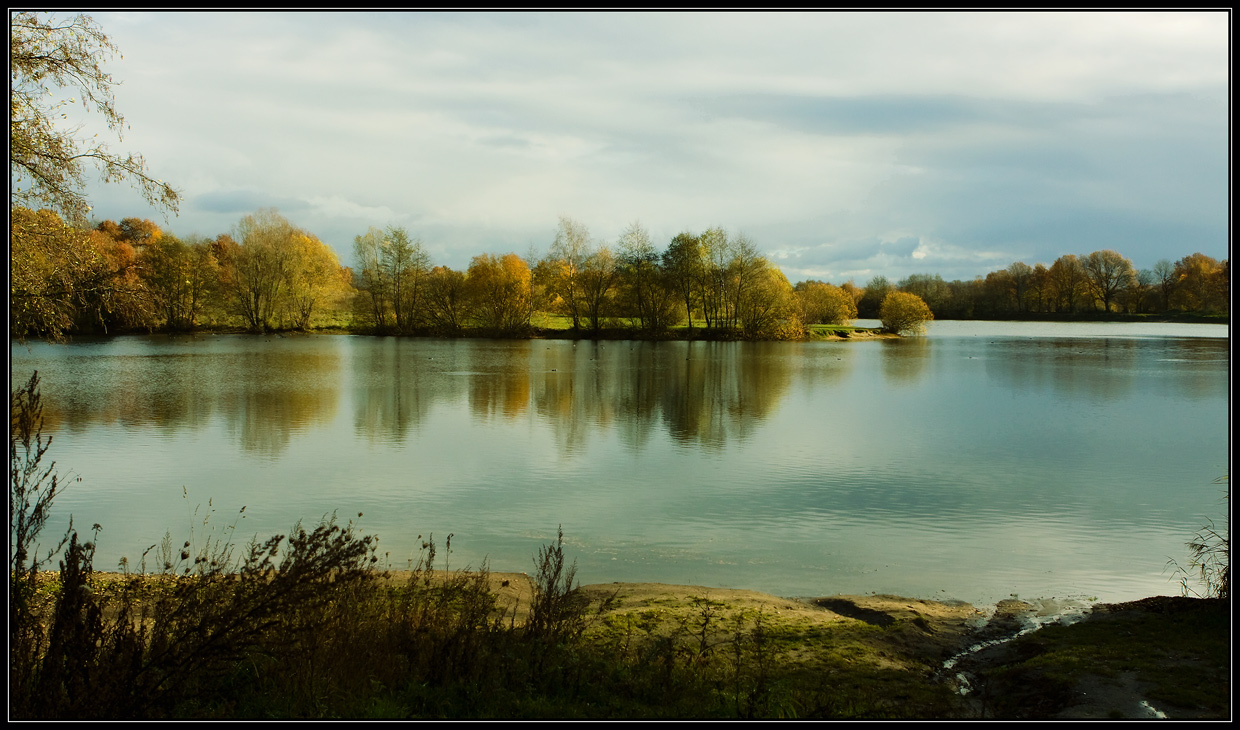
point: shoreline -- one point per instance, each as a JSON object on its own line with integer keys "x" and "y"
{"x": 814, "y": 333}
{"x": 1157, "y": 657}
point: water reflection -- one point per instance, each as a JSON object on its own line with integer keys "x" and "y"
{"x": 722, "y": 390}
{"x": 905, "y": 361}
{"x": 1096, "y": 369}
{"x": 1107, "y": 369}
{"x": 991, "y": 464}
{"x": 501, "y": 387}
{"x": 394, "y": 385}
{"x": 267, "y": 396}
{"x": 264, "y": 392}
{"x": 703, "y": 393}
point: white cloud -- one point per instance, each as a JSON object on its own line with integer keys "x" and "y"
{"x": 982, "y": 135}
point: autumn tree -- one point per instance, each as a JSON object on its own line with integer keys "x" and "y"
{"x": 1201, "y": 284}
{"x": 1106, "y": 274}
{"x": 316, "y": 280}
{"x": 260, "y": 268}
{"x": 279, "y": 275}
{"x": 561, "y": 270}
{"x": 875, "y": 291}
{"x": 1020, "y": 275}
{"x": 406, "y": 265}
{"x": 56, "y": 63}
{"x": 822, "y": 303}
{"x": 767, "y": 307}
{"x": 1039, "y": 288}
{"x": 747, "y": 269}
{"x": 904, "y": 313}
{"x": 1066, "y": 281}
{"x": 643, "y": 284}
{"x": 181, "y": 277}
{"x": 598, "y": 278}
{"x": 447, "y": 300}
{"x": 370, "y": 278}
{"x": 712, "y": 276}
{"x": 995, "y": 294}
{"x": 125, "y": 302}
{"x": 499, "y": 290}
{"x": 56, "y": 270}
{"x": 852, "y": 290}
{"x": 683, "y": 265}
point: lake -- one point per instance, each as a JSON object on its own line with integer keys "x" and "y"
{"x": 984, "y": 460}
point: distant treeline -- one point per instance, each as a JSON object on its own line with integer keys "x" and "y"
{"x": 270, "y": 275}
{"x": 1100, "y": 283}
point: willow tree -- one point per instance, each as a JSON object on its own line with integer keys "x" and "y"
{"x": 56, "y": 64}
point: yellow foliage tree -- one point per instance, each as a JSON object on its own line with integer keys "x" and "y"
{"x": 904, "y": 313}
{"x": 57, "y": 273}
{"x": 822, "y": 303}
{"x": 280, "y": 275}
{"x": 499, "y": 289}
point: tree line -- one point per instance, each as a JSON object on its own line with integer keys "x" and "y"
{"x": 268, "y": 275}
{"x": 1102, "y": 282}
{"x": 131, "y": 275}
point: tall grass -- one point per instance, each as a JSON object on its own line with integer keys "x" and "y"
{"x": 1209, "y": 562}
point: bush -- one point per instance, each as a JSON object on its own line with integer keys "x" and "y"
{"x": 904, "y": 313}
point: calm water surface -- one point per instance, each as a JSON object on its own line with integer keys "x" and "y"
{"x": 983, "y": 460}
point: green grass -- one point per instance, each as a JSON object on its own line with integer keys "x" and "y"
{"x": 1181, "y": 657}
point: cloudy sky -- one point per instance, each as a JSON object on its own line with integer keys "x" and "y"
{"x": 845, "y": 145}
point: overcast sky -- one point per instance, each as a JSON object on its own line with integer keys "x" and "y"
{"x": 846, "y": 145}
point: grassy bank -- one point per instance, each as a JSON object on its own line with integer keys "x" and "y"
{"x": 432, "y": 644}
